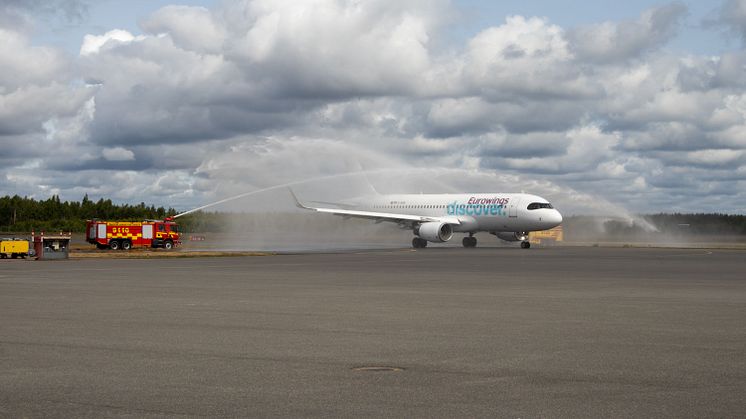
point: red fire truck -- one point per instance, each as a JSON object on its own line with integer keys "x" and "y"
{"x": 127, "y": 234}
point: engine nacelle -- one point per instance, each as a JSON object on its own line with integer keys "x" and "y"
{"x": 518, "y": 236}
{"x": 434, "y": 231}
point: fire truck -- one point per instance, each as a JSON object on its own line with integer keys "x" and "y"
{"x": 127, "y": 234}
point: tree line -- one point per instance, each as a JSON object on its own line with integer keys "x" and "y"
{"x": 23, "y": 214}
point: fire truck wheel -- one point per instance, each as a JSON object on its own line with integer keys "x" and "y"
{"x": 114, "y": 245}
{"x": 126, "y": 245}
{"x": 168, "y": 245}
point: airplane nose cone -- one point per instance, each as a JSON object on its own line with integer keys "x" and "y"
{"x": 557, "y": 217}
{"x": 552, "y": 219}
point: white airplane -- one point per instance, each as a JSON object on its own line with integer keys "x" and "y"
{"x": 435, "y": 217}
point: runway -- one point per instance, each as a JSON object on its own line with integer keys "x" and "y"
{"x": 485, "y": 332}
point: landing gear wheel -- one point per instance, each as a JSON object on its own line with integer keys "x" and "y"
{"x": 419, "y": 243}
{"x": 114, "y": 245}
{"x": 126, "y": 245}
{"x": 525, "y": 245}
{"x": 469, "y": 242}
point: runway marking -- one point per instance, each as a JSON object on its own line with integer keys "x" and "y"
{"x": 693, "y": 253}
{"x": 378, "y": 369}
{"x": 378, "y": 252}
{"x": 118, "y": 407}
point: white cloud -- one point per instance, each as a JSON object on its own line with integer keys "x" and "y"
{"x": 524, "y": 57}
{"x": 192, "y": 28}
{"x": 716, "y": 158}
{"x": 579, "y": 150}
{"x": 92, "y": 44}
{"x": 332, "y": 48}
{"x": 24, "y": 64}
{"x": 611, "y": 41}
{"x": 118, "y": 154}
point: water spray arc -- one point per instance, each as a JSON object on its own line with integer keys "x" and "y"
{"x": 267, "y": 189}
{"x": 364, "y": 173}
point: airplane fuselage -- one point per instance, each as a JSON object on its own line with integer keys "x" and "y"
{"x": 435, "y": 217}
{"x": 494, "y": 212}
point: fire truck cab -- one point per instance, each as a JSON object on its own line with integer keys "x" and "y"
{"x": 127, "y": 234}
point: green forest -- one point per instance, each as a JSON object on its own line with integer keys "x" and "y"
{"x": 23, "y": 215}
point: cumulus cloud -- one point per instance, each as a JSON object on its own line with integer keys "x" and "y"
{"x": 25, "y": 64}
{"x": 118, "y": 154}
{"x": 579, "y": 150}
{"x": 527, "y": 58}
{"x": 92, "y": 44}
{"x": 613, "y": 41}
{"x": 332, "y": 49}
{"x": 42, "y": 112}
{"x": 211, "y": 102}
{"x": 191, "y": 28}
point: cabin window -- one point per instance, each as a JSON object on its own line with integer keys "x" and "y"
{"x": 537, "y": 205}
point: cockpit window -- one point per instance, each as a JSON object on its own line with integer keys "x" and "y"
{"x": 537, "y": 205}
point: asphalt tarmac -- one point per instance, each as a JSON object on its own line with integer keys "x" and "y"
{"x": 486, "y": 332}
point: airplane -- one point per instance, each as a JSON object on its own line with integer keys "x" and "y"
{"x": 436, "y": 217}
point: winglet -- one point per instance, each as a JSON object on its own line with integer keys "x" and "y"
{"x": 297, "y": 202}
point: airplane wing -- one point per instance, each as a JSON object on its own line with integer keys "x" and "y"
{"x": 405, "y": 219}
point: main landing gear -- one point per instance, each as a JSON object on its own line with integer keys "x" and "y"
{"x": 525, "y": 245}
{"x": 419, "y": 243}
{"x": 469, "y": 241}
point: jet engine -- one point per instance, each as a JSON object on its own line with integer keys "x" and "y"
{"x": 518, "y": 236}
{"x": 434, "y": 231}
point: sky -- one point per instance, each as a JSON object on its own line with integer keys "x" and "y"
{"x": 639, "y": 104}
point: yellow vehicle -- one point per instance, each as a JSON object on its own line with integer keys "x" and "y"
{"x": 551, "y": 236}
{"x": 14, "y": 248}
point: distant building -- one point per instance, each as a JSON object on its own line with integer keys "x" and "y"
{"x": 51, "y": 247}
